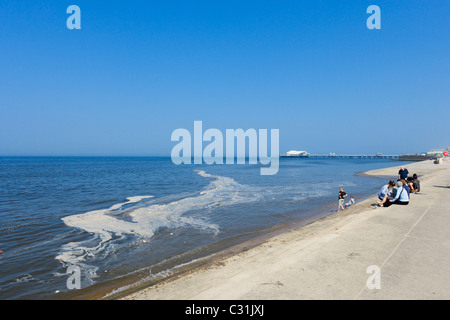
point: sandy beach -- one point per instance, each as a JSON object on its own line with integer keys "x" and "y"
{"x": 334, "y": 257}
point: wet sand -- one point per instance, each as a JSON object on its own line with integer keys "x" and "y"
{"x": 332, "y": 258}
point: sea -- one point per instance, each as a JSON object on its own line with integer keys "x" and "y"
{"x": 97, "y": 227}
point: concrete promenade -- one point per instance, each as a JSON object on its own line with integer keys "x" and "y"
{"x": 329, "y": 259}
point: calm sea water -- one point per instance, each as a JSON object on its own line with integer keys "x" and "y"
{"x": 138, "y": 218}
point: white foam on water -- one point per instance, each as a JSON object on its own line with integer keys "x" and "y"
{"x": 144, "y": 220}
{"x": 103, "y": 226}
{"x": 26, "y": 278}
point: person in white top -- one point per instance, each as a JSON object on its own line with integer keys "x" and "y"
{"x": 386, "y": 192}
{"x": 401, "y": 196}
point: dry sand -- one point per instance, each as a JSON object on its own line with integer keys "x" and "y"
{"x": 329, "y": 259}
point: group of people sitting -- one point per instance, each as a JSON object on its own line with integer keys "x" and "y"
{"x": 399, "y": 192}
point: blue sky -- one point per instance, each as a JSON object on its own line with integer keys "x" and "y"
{"x": 137, "y": 70}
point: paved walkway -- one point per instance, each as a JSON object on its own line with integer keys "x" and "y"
{"x": 329, "y": 259}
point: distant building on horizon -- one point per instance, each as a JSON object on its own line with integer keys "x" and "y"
{"x": 438, "y": 152}
{"x": 295, "y": 153}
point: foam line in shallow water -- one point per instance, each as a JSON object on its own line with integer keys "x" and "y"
{"x": 142, "y": 219}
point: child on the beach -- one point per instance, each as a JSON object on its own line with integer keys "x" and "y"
{"x": 342, "y": 195}
{"x": 350, "y": 202}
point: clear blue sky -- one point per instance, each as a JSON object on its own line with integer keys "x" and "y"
{"x": 137, "y": 70}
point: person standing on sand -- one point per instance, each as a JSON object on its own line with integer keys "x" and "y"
{"x": 403, "y": 173}
{"x": 342, "y": 195}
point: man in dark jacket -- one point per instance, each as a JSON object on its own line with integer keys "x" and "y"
{"x": 403, "y": 173}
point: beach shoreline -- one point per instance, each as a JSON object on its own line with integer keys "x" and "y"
{"x": 322, "y": 229}
{"x": 204, "y": 256}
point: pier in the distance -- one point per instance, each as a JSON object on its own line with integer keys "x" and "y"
{"x": 342, "y": 156}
